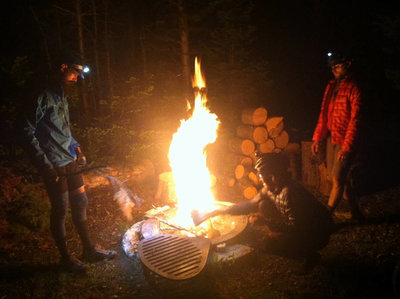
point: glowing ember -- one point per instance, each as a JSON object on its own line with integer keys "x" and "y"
{"x": 188, "y": 157}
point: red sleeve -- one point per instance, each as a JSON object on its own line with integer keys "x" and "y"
{"x": 353, "y": 127}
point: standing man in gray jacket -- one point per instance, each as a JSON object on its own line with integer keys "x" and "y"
{"x": 58, "y": 157}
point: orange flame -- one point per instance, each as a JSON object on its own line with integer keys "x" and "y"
{"x": 188, "y": 157}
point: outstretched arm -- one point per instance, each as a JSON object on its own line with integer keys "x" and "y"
{"x": 242, "y": 208}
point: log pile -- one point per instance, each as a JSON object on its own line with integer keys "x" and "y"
{"x": 256, "y": 133}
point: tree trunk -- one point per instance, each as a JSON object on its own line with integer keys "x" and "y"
{"x": 83, "y": 95}
{"x": 184, "y": 42}
{"x": 45, "y": 43}
{"x": 109, "y": 85}
{"x": 98, "y": 93}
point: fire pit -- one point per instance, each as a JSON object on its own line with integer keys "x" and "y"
{"x": 166, "y": 240}
{"x": 179, "y": 253}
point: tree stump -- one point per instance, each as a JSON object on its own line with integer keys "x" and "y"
{"x": 166, "y": 188}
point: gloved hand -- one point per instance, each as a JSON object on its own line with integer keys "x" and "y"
{"x": 81, "y": 159}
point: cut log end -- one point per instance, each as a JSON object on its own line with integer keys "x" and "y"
{"x": 254, "y": 117}
{"x": 282, "y": 140}
{"x": 250, "y": 192}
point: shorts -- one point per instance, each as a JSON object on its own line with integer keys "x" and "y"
{"x": 68, "y": 180}
{"x": 336, "y": 169}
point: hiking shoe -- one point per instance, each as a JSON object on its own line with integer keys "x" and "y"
{"x": 72, "y": 265}
{"x": 97, "y": 254}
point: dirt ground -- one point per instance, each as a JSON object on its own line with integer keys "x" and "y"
{"x": 359, "y": 261}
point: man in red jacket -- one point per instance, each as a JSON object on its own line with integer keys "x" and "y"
{"x": 338, "y": 124}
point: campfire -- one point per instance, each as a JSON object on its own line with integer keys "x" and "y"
{"x": 188, "y": 157}
{"x": 168, "y": 232}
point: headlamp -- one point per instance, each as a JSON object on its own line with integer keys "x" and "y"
{"x": 334, "y": 58}
{"x": 81, "y": 69}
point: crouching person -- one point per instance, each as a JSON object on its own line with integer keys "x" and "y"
{"x": 300, "y": 225}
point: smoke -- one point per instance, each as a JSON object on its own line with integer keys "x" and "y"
{"x": 125, "y": 198}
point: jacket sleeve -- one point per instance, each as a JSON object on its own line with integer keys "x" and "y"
{"x": 33, "y": 144}
{"x": 74, "y": 144}
{"x": 353, "y": 126}
{"x": 245, "y": 207}
{"x": 321, "y": 130}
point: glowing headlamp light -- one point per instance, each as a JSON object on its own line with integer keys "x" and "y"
{"x": 81, "y": 69}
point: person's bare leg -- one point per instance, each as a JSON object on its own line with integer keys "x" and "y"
{"x": 335, "y": 195}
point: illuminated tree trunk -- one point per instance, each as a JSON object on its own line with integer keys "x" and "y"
{"x": 82, "y": 94}
{"x": 43, "y": 35}
{"x": 110, "y": 91}
{"x": 97, "y": 91}
{"x": 184, "y": 42}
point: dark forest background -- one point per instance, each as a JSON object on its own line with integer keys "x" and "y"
{"x": 253, "y": 52}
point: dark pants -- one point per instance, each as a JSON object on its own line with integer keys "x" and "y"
{"x": 61, "y": 198}
{"x": 297, "y": 244}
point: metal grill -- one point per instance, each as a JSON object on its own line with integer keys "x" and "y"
{"x": 174, "y": 257}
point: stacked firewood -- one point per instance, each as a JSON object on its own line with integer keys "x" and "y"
{"x": 256, "y": 133}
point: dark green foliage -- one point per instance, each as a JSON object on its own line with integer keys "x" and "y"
{"x": 30, "y": 212}
{"x": 24, "y": 207}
